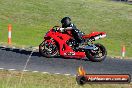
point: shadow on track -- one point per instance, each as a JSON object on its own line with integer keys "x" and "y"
{"x": 20, "y": 51}
{"x": 35, "y": 53}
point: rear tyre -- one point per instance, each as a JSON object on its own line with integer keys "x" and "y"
{"x": 48, "y": 48}
{"x": 97, "y": 55}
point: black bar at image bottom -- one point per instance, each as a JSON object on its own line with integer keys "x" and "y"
{"x": 103, "y": 78}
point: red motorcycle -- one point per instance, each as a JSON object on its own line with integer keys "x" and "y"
{"x": 58, "y": 43}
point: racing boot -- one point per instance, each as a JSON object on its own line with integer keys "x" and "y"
{"x": 82, "y": 44}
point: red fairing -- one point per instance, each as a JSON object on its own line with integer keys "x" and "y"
{"x": 64, "y": 49}
{"x": 93, "y": 34}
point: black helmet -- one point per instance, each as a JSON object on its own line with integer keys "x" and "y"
{"x": 66, "y": 22}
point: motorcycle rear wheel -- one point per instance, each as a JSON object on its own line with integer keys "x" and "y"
{"x": 48, "y": 49}
{"x": 98, "y": 55}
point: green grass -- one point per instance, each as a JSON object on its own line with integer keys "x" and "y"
{"x": 31, "y": 19}
{"x": 11, "y": 79}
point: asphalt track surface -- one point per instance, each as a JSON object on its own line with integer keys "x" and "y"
{"x": 17, "y": 58}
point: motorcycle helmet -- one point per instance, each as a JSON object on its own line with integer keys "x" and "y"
{"x": 66, "y": 22}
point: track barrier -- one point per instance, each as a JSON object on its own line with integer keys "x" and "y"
{"x": 9, "y": 33}
{"x": 123, "y": 51}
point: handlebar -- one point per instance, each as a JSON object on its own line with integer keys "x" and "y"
{"x": 58, "y": 28}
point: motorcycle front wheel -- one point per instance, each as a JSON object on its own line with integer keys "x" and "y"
{"x": 48, "y": 48}
{"x": 97, "y": 55}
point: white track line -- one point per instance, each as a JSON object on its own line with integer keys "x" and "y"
{"x": 35, "y": 71}
{"x": 67, "y": 74}
{"x": 57, "y": 73}
{"x": 11, "y": 69}
{"x": 28, "y": 59}
{"x": 45, "y": 72}
{"x": 38, "y": 71}
{"x": 4, "y": 46}
{"x": 1, "y": 68}
{"x": 25, "y": 70}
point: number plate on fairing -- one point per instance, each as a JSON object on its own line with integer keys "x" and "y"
{"x": 69, "y": 53}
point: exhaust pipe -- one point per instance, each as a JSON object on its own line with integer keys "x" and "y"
{"x": 100, "y": 36}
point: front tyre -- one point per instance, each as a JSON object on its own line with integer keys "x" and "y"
{"x": 48, "y": 48}
{"x": 97, "y": 55}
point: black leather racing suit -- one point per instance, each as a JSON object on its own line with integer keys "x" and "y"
{"x": 77, "y": 34}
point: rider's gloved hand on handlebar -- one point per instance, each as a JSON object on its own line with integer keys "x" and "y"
{"x": 61, "y": 29}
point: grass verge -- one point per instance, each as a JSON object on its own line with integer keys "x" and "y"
{"x": 11, "y": 79}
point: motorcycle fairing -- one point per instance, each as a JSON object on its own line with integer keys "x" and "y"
{"x": 64, "y": 49}
{"x": 93, "y": 34}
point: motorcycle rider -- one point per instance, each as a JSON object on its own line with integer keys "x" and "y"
{"x": 77, "y": 34}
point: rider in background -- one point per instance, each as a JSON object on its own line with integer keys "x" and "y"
{"x": 77, "y": 34}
